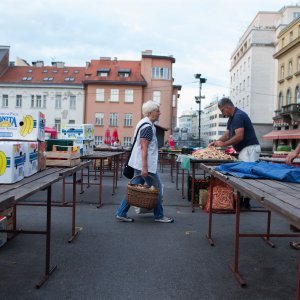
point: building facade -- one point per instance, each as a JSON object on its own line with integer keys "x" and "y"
{"x": 286, "y": 121}
{"x": 115, "y": 91}
{"x": 55, "y": 90}
{"x": 253, "y": 69}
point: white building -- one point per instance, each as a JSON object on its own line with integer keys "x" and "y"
{"x": 253, "y": 69}
{"x": 55, "y": 90}
{"x": 214, "y": 123}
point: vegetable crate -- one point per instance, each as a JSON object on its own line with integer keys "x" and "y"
{"x": 200, "y": 190}
{"x": 63, "y": 156}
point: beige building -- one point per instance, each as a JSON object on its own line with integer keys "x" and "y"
{"x": 287, "y": 119}
{"x": 254, "y": 70}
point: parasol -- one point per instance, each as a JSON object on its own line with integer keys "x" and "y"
{"x": 52, "y": 132}
{"x": 107, "y": 139}
{"x": 114, "y": 135}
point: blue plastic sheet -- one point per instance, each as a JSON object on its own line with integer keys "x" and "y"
{"x": 262, "y": 170}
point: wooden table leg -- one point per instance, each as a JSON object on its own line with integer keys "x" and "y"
{"x": 74, "y": 232}
{"x": 211, "y": 187}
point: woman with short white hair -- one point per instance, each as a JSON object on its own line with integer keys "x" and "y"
{"x": 144, "y": 160}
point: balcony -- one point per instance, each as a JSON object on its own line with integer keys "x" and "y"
{"x": 291, "y": 112}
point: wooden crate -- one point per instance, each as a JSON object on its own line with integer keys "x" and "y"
{"x": 63, "y": 158}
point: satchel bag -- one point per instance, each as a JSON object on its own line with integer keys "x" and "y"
{"x": 128, "y": 171}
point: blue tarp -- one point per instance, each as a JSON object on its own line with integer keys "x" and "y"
{"x": 261, "y": 169}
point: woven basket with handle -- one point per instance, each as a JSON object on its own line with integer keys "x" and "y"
{"x": 142, "y": 196}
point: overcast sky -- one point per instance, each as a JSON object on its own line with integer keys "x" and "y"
{"x": 200, "y": 34}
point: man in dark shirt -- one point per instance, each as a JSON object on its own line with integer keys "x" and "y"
{"x": 239, "y": 133}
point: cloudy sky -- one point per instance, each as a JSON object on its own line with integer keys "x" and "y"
{"x": 200, "y": 34}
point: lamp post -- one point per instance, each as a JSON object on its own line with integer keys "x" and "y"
{"x": 198, "y": 100}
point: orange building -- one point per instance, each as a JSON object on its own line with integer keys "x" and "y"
{"x": 116, "y": 89}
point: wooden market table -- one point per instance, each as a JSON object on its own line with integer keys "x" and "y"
{"x": 102, "y": 156}
{"x": 14, "y": 194}
{"x": 280, "y": 197}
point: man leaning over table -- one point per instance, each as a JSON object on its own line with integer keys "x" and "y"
{"x": 289, "y": 160}
{"x": 240, "y": 134}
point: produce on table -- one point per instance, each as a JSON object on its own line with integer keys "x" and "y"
{"x": 211, "y": 153}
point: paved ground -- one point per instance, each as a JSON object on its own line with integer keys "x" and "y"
{"x": 144, "y": 260}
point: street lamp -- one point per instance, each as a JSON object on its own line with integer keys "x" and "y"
{"x": 198, "y": 100}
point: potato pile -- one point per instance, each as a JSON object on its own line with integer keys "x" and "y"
{"x": 211, "y": 153}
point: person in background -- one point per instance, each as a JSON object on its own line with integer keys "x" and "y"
{"x": 117, "y": 143}
{"x": 289, "y": 160}
{"x": 144, "y": 160}
{"x": 171, "y": 142}
{"x": 240, "y": 134}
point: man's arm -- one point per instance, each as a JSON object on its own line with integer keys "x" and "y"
{"x": 238, "y": 137}
{"x": 292, "y": 155}
{"x": 144, "y": 148}
{"x": 223, "y": 138}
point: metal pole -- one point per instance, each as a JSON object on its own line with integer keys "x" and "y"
{"x": 199, "y": 112}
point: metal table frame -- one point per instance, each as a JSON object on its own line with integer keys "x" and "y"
{"x": 281, "y": 197}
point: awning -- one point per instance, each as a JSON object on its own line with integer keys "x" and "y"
{"x": 282, "y": 135}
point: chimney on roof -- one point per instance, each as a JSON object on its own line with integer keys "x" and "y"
{"x": 38, "y": 63}
{"x": 87, "y": 64}
{"x": 58, "y": 64}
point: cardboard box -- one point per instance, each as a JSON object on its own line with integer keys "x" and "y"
{"x": 77, "y": 131}
{"x": 31, "y": 158}
{"x": 22, "y": 125}
{"x": 86, "y": 147}
{"x": 41, "y": 156}
{"x": 12, "y": 159}
{"x": 3, "y": 235}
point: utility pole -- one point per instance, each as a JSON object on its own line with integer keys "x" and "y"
{"x": 198, "y": 100}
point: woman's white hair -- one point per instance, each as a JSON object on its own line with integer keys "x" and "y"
{"x": 149, "y": 107}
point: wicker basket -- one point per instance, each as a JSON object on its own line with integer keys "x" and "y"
{"x": 141, "y": 196}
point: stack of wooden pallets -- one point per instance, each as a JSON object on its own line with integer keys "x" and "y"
{"x": 63, "y": 156}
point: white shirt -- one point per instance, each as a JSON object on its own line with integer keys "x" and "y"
{"x": 135, "y": 160}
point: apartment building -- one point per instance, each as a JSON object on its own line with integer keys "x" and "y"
{"x": 213, "y": 123}
{"x": 108, "y": 93}
{"x": 286, "y": 121}
{"x": 115, "y": 91}
{"x": 55, "y": 90}
{"x": 253, "y": 69}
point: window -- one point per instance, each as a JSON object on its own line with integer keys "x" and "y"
{"x": 73, "y": 102}
{"x": 244, "y": 83}
{"x": 161, "y": 73}
{"x": 71, "y": 121}
{"x": 113, "y": 119}
{"x": 19, "y": 101}
{"x": 99, "y": 118}
{"x": 114, "y": 95}
{"x": 288, "y": 97}
{"x": 296, "y": 15}
{"x": 290, "y": 68}
{"x": 32, "y": 101}
{"x": 4, "y": 100}
{"x": 58, "y": 101}
{"x": 127, "y": 119}
{"x": 297, "y": 94}
{"x": 282, "y": 71}
{"x": 128, "y": 95}
{"x": 174, "y": 101}
{"x": 127, "y": 141}
{"x": 38, "y": 101}
{"x": 44, "y": 101}
{"x": 57, "y": 125}
{"x": 248, "y": 81}
{"x": 124, "y": 73}
{"x": 103, "y": 72}
{"x": 291, "y": 36}
{"x": 282, "y": 42}
{"x": 280, "y": 101}
{"x": 100, "y": 95}
{"x": 156, "y": 96}
{"x": 98, "y": 140}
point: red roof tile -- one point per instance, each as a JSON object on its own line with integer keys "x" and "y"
{"x": 39, "y": 75}
{"x": 113, "y": 76}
